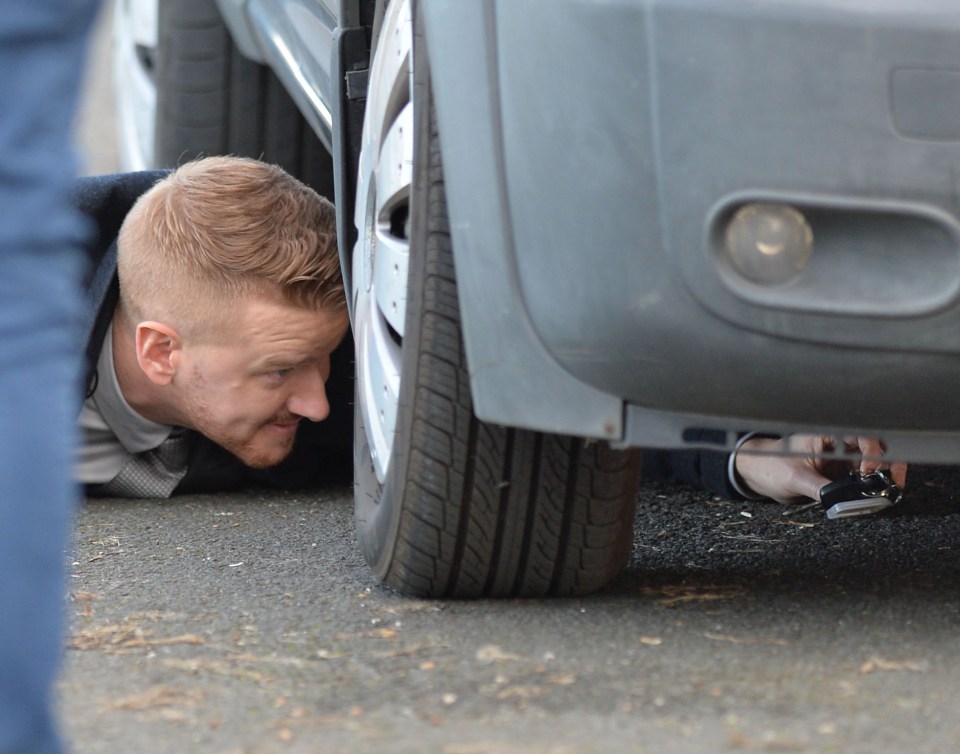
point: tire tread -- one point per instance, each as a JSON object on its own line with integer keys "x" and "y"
{"x": 211, "y": 100}
{"x": 531, "y": 514}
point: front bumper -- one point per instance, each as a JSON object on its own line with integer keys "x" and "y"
{"x": 628, "y": 132}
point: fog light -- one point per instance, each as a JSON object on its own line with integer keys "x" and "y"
{"x": 769, "y": 243}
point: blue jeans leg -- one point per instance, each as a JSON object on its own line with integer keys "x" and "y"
{"x": 42, "y": 49}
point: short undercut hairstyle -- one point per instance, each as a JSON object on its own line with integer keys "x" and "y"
{"x": 220, "y": 229}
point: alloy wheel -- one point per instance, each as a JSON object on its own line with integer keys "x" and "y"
{"x": 380, "y": 258}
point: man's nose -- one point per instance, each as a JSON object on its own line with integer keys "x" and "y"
{"x": 308, "y": 398}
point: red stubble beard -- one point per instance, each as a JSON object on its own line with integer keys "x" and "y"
{"x": 267, "y": 445}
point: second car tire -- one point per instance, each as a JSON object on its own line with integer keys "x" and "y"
{"x": 211, "y": 100}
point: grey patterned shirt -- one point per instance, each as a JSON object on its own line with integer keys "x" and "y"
{"x": 111, "y": 430}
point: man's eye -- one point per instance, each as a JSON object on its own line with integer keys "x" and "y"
{"x": 279, "y": 374}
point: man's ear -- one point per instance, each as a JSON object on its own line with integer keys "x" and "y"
{"x": 158, "y": 351}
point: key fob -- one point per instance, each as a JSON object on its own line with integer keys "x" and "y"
{"x": 860, "y": 494}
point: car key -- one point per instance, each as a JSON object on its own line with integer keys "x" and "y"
{"x": 860, "y": 494}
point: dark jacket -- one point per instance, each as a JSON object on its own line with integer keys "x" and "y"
{"x": 700, "y": 468}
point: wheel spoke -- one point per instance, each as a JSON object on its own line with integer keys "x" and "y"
{"x": 390, "y": 279}
{"x": 395, "y": 171}
{"x": 142, "y": 21}
{"x": 363, "y": 218}
{"x": 390, "y": 74}
{"x": 394, "y": 174}
{"x": 379, "y": 375}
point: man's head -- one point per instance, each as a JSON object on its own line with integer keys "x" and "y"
{"x": 231, "y": 300}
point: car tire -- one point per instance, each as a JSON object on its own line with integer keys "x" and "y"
{"x": 461, "y": 507}
{"x": 207, "y": 98}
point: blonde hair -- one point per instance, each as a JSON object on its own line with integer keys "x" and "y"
{"x": 222, "y": 229}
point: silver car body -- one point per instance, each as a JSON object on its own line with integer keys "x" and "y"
{"x": 595, "y": 151}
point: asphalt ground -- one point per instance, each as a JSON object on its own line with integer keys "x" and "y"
{"x": 248, "y": 624}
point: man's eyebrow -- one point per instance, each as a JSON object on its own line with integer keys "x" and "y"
{"x": 278, "y": 362}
